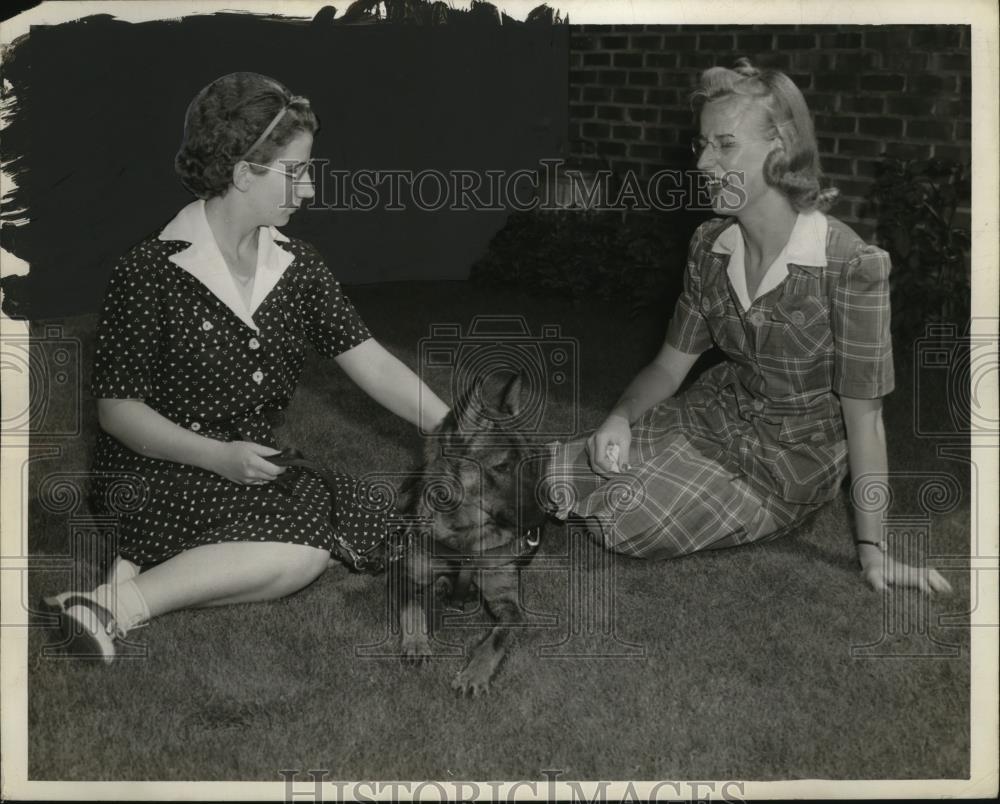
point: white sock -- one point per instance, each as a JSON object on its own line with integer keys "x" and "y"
{"x": 125, "y": 602}
{"x": 122, "y": 570}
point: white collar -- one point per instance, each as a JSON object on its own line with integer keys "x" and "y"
{"x": 806, "y": 246}
{"x": 204, "y": 261}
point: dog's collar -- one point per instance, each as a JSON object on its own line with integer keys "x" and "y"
{"x": 519, "y": 551}
{"x": 525, "y": 547}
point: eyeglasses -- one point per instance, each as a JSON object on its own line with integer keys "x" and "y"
{"x": 699, "y": 144}
{"x": 299, "y": 174}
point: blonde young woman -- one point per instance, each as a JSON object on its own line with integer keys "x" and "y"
{"x": 201, "y": 340}
{"x": 799, "y": 305}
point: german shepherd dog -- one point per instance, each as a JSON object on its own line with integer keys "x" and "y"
{"x": 476, "y": 499}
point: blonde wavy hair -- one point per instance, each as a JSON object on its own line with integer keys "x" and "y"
{"x": 794, "y": 168}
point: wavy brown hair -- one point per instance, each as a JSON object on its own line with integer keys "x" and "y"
{"x": 226, "y": 118}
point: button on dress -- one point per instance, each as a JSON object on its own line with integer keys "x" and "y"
{"x": 172, "y": 334}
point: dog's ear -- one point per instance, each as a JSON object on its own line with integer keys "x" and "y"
{"x": 492, "y": 398}
{"x": 510, "y": 397}
{"x": 473, "y": 409}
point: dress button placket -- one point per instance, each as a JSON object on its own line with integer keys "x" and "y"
{"x": 258, "y": 376}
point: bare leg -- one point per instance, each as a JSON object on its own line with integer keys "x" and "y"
{"x": 230, "y": 572}
{"x": 210, "y": 575}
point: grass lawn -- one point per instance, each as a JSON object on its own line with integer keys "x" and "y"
{"x": 741, "y": 665}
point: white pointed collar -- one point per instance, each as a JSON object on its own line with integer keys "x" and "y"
{"x": 204, "y": 261}
{"x": 806, "y": 246}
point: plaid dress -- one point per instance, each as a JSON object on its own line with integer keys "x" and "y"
{"x": 758, "y": 441}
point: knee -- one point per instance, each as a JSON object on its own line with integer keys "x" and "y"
{"x": 655, "y": 542}
{"x": 298, "y": 566}
{"x": 565, "y": 478}
{"x": 636, "y": 531}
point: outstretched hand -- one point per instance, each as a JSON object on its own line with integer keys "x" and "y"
{"x": 883, "y": 571}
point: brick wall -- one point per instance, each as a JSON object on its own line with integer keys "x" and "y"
{"x": 896, "y": 90}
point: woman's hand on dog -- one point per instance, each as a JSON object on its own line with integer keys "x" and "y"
{"x": 615, "y": 430}
{"x": 246, "y": 463}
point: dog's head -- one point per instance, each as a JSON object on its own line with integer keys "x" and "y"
{"x": 498, "y": 465}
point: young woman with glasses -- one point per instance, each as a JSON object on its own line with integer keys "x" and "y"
{"x": 799, "y": 306}
{"x": 201, "y": 341}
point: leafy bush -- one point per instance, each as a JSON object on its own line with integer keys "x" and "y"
{"x": 635, "y": 258}
{"x": 915, "y": 202}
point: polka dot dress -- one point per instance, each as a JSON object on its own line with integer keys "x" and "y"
{"x": 166, "y": 339}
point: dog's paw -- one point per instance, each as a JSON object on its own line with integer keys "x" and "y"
{"x": 416, "y": 649}
{"x": 471, "y": 682}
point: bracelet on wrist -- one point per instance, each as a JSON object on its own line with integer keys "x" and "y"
{"x": 880, "y": 545}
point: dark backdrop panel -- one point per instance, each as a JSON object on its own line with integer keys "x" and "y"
{"x": 100, "y": 107}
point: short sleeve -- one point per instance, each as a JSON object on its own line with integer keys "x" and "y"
{"x": 860, "y": 318}
{"x": 332, "y": 325}
{"x": 127, "y": 332}
{"x": 688, "y": 330}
